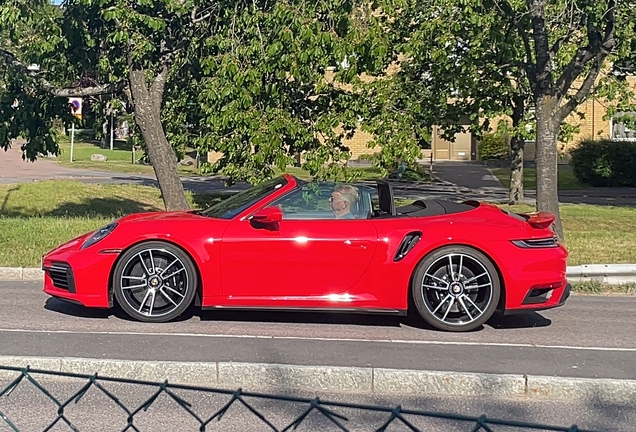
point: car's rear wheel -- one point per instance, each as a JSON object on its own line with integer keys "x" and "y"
{"x": 154, "y": 282}
{"x": 456, "y": 288}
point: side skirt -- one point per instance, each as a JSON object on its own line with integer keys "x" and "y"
{"x": 363, "y": 311}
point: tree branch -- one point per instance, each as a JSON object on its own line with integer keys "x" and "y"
{"x": 507, "y": 8}
{"x": 559, "y": 42}
{"x": 157, "y": 87}
{"x": 595, "y": 47}
{"x": 584, "y": 90}
{"x": 13, "y": 61}
{"x": 207, "y": 13}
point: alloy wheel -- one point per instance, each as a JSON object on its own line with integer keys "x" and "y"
{"x": 155, "y": 283}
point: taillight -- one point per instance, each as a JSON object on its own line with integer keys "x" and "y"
{"x": 550, "y": 242}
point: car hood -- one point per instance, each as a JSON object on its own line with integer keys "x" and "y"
{"x": 161, "y": 216}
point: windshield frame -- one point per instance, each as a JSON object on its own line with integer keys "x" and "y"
{"x": 233, "y": 206}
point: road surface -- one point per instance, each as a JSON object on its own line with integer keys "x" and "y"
{"x": 591, "y": 337}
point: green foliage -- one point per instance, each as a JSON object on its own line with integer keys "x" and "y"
{"x": 605, "y": 162}
{"x": 471, "y": 62}
{"x": 27, "y": 110}
{"x": 492, "y": 146}
{"x": 271, "y": 83}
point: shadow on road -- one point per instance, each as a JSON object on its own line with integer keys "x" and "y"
{"x": 521, "y": 320}
{"x": 67, "y": 308}
{"x": 527, "y": 320}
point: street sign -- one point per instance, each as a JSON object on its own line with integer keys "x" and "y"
{"x": 76, "y": 107}
{"x": 76, "y": 110}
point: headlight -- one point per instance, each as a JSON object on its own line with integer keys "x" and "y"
{"x": 98, "y": 235}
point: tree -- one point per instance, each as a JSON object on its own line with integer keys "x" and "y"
{"x": 448, "y": 75}
{"x": 28, "y": 102}
{"x": 107, "y": 47}
{"x": 541, "y": 54}
{"x": 274, "y": 81}
{"x": 247, "y": 78}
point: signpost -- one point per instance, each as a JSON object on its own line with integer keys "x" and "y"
{"x": 76, "y": 110}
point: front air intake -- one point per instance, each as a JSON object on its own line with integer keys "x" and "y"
{"x": 61, "y": 275}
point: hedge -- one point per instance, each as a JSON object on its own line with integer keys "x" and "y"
{"x": 493, "y": 147}
{"x": 605, "y": 162}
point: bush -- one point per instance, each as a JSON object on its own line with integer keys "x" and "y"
{"x": 493, "y": 147}
{"x": 605, "y": 162}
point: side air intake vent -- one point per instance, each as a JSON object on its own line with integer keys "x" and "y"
{"x": 408, "y": 242}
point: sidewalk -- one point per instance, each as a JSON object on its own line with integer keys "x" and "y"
{"x": 15, "y": 170}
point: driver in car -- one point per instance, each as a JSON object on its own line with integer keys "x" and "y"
{"x": 343, "y": 199}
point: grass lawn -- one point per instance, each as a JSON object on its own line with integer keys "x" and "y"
{"x": 119, "y": 159}
{"x": 566, "y": 180}
{"x": 596, "y": 234}
{"x": 35, "y": 217}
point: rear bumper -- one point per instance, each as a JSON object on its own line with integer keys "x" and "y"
{"x": 562, "y": 298}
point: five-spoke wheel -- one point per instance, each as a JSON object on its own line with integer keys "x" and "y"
{"x": 456, "y": 288}
{"x": 154, "y": 282}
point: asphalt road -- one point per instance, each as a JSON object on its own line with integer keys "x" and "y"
{"x": 590, "y": 336}
{"x": 30, "y": 410}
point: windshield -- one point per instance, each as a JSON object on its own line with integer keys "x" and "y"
{"x": 230, "y": 207}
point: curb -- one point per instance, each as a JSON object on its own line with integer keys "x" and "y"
{"x": 21, "y": 273}
{"x": 381, "y": 381}
{"x": 612, "y": 274}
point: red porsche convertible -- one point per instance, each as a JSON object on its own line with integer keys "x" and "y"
{"x": 291, "y": 245}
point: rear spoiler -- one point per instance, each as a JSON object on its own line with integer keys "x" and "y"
{"x": 539, "y": 220}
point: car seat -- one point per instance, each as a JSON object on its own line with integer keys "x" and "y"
{"x": 362, "y": 208}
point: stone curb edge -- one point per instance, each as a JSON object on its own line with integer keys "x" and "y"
{"x": 604, "y": 273}
{"x": 381, "y": 381}
{"x": 21, "y": 273}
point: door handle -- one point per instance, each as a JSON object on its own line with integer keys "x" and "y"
{"x": 361, "y": 244}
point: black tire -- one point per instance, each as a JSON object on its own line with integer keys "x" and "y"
{"x": 463, "y": 303}
{"x": 155, "y": 282}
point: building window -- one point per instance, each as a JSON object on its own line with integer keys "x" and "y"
{"x": 623, "y": 129}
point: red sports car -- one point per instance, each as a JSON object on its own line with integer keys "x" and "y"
{"x": 287, "y": 244}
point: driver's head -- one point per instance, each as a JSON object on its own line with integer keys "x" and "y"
{"x": 343, "y": 198}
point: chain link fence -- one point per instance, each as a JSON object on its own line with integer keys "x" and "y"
{"x": 260, "y": 411}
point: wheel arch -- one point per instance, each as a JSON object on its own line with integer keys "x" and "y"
{"x": 502, "y": 295}
{"x": 199, "y": 290}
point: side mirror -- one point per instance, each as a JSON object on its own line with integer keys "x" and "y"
{"x": 268, "y": 217}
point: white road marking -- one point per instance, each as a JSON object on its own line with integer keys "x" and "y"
{"x": 396, "y": 341}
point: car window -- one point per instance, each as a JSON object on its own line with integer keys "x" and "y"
{"x": 230, "y": 207}
{"x": 312, "y": 201}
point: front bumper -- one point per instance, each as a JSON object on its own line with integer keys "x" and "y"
{"x": 78, "y": 276}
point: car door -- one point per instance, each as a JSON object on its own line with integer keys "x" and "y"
{"x": 305, "y": 260}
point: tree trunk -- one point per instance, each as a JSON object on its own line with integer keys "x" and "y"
{"x": 162, "y": 156}
{"x": 546, "y": 158}
{"x": 515, "y": 195}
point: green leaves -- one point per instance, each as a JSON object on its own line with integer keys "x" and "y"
{"x": 272, "y": 87}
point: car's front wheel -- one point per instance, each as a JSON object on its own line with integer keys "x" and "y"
{"x": 154, "y": 282}
{"x": 456, "y": 288}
